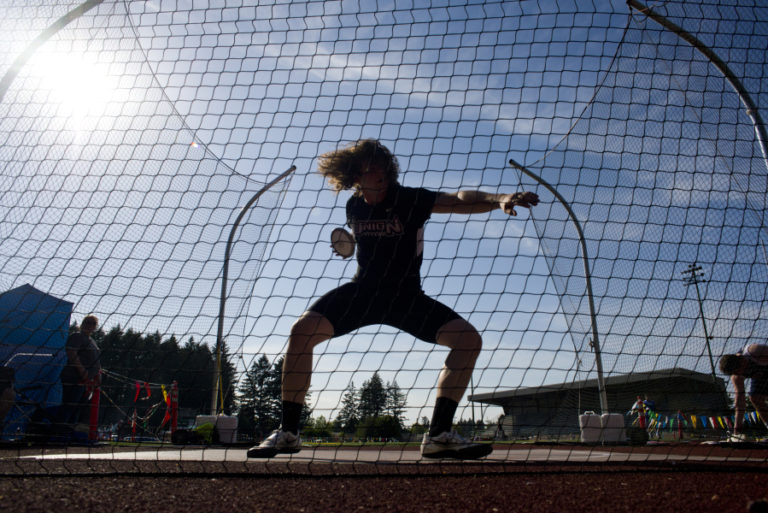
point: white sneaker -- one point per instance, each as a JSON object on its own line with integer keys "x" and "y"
{"x": 738, "y": 437}
{"x": 452, "y": 445}
{"x": 282, "y": 442}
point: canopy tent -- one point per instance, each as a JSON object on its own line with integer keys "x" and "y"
{"x": 33, "y": 332}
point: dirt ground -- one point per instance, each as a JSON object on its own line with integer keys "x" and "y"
{"x": 635, "y": 490}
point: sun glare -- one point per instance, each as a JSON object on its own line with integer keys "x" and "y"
{"x": 81, "y": 86}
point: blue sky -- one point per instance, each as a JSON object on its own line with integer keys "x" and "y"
{"x": 133, "y": 137}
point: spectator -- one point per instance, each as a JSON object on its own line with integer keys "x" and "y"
{"x": 81, "y": 374}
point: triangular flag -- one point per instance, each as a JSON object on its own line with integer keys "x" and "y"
{"x": 167, "y": 398}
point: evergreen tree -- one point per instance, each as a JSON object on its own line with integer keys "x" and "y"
{"x": 275, "y": 391}
{"x": 373, "y": 398}
{"x": 227, "y": 379}
{"x": 468, "y": 428}
{"x": 395, "y": 403}
{"x": 134, "y": 360}
{"x": 348, "y": 417}
{"x": 384, "y": 427}
{"x": 259, "y": 409}
{"x": 419, "y": 428}
{"x": 317, "y": 428}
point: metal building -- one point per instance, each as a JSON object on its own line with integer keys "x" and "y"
{"x": 553, "y": 410}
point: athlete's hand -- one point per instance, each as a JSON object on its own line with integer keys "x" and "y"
{"x": 508, "y": 202}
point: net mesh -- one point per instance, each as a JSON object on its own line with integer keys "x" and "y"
{"x": 133, "y": 133}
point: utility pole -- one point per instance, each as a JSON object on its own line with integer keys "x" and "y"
{"x": 693, "y": 276}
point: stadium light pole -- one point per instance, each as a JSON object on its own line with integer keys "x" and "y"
{"x": 595, "y": 341}
{"x": 218, "y": 392}
{"x": 694, "y": 277}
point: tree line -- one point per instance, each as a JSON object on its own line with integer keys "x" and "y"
{"x": 374, "y": 410}
{"x": 135, "y": 361}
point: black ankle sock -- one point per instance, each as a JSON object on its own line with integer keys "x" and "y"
{"x": 442, "y": 417}
{"x": 291, "y": 417}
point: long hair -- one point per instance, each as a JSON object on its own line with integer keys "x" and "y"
{"x": 342, "y": 167}
{"x": 90, "y": 320}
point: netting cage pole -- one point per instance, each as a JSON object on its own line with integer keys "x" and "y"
{"x": 595, "y": 341}
{"x": 750, "y": 106}
{"x": 217, "y": 389}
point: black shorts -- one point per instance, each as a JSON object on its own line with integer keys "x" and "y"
{"x": 759, "y": 384}
{"x": 353, "y": 305}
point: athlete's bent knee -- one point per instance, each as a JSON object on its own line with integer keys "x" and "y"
{"x": 310, "y": 329}
{"x": 460, "y": 334}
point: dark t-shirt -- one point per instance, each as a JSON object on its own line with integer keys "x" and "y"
{"x": 390, "y": 236}
{"x": 759, "y": 376}
{"x": 89, "y": 355}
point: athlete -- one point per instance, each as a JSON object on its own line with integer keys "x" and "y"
{"x": 387, "y": 220}
{"x": 752, "y": 364}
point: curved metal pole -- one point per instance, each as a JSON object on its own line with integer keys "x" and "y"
{"x": 722, "y": 67}
{"x": 595, "y": 342}
{"x": 217, "y": 382}
{"x": 746, "y": 99}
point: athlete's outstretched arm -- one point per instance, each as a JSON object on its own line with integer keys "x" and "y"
{"x": 474, "y": 202}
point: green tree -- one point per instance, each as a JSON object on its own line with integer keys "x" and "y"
{"x": 318, "y": 428}
{"x": 419, "y": 428}
{"x": 276, "y": 390}
{"x": 383, "y": 427}
{"x": 373, "y": 398}
{"x": 468, "y": 428}
{"x": 348, "y": 416}
{"x": 259, "y": 407}
{"x": 134, "y": 362}
{"x": 228, "y": 373}
{"x": 395, "y": 402}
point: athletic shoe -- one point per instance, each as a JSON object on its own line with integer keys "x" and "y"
{"x": 738, "y": 437}
{"x": 452, "y": 445}
{"x": 282, "y": 442}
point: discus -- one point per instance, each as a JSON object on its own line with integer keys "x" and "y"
{"x": 342, "y": 242}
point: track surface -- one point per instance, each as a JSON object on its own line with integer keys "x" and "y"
{"x": 706, "y": 479}
{"x": 530, "y": 492}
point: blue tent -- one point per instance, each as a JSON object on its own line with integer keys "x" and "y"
{"x": 33, "y": 333}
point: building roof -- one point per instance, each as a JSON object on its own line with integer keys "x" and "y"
{"x": 611, "y": 381}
